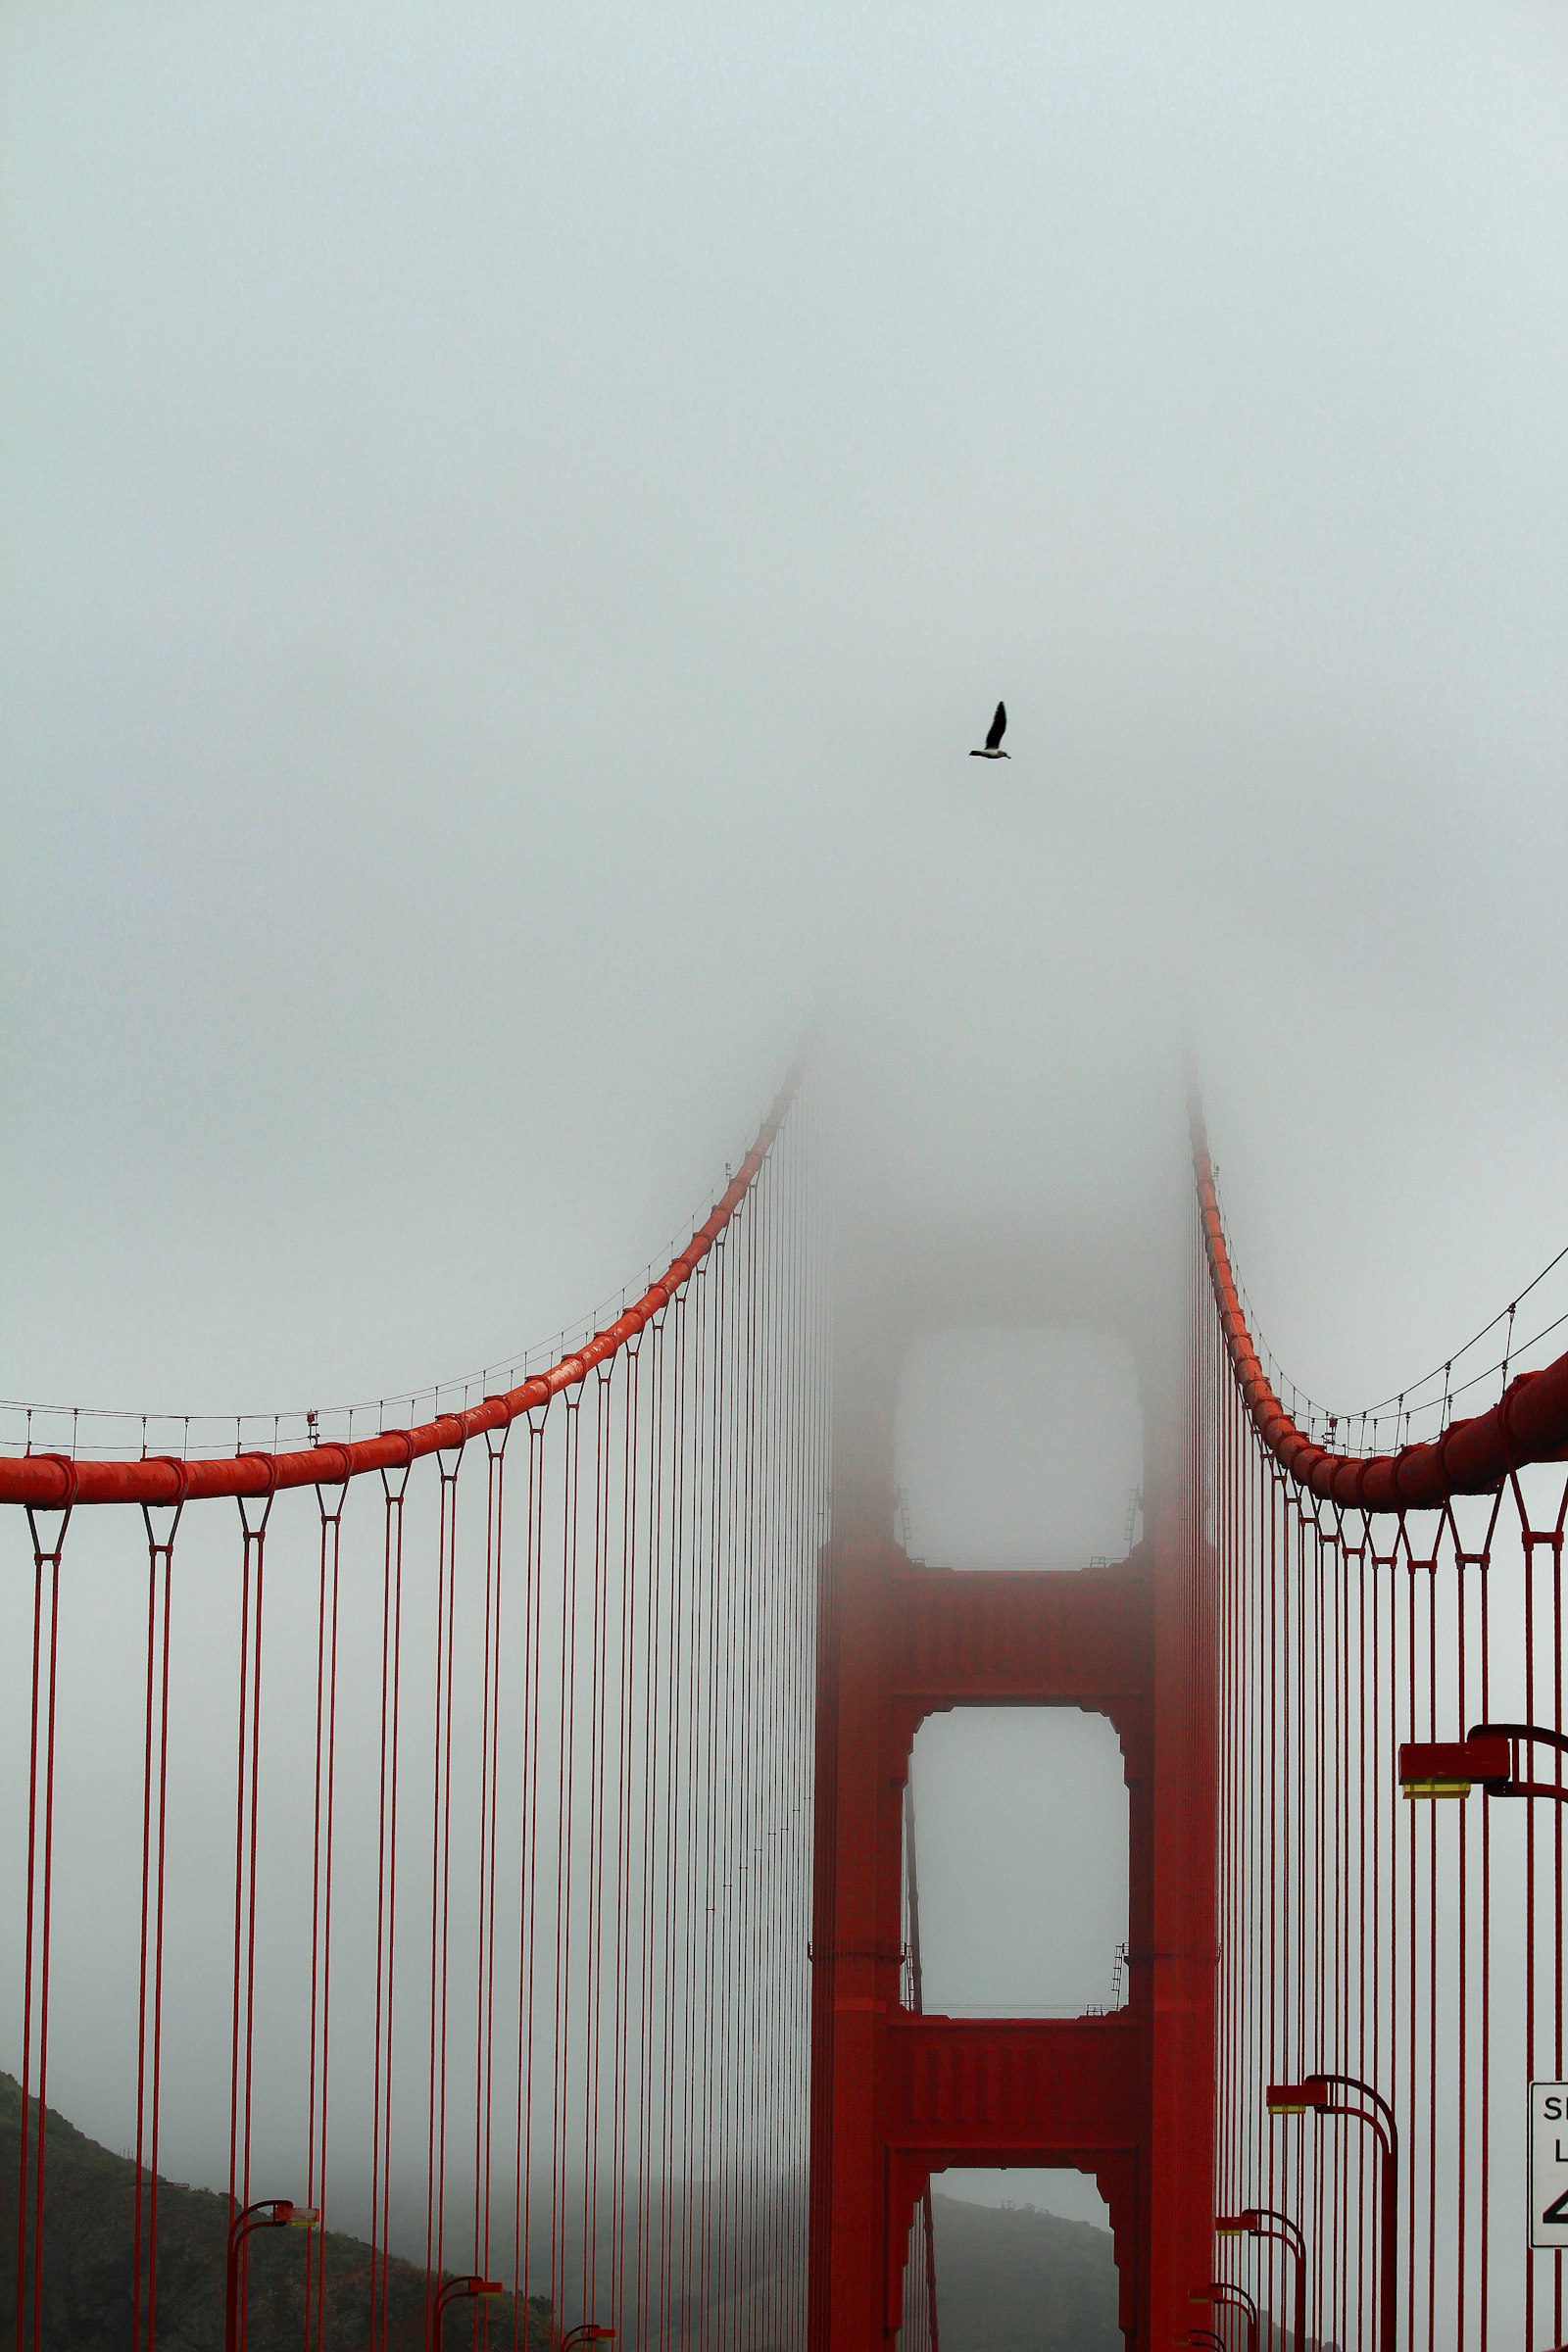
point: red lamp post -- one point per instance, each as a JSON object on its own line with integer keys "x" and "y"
{"x": 1262, "y": 2221}
{"x": 1487, "y": 1757}
{"x": 1319, "y": 2094}
{"x": 587, "y": 2333}
{"x": 456, "y": 2290}
{"x": 268, "y": 2213}
{"x": 1219, "y": 2291}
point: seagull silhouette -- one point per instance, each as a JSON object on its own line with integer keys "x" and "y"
{"x": 999, "y": 728}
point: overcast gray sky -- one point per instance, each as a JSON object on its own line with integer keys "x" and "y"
{"x": 515, "y": 517}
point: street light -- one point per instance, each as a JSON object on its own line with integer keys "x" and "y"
{"x": 457, "y": 2290}
{"x": 1205, "y": 2337}
{"x": 1487, "y": 1756}
{"x": 1314, "y": 2096}
{"x": 268, "y": 2213}
{"x": 587, "y": 2333}
{"x": 1262, "y": 2221}
{"x": 1219, "y": 2291}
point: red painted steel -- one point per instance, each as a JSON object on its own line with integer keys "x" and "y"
{"x": 571, "y": 1845}
{"x": 896, "y": 2095}
{"x": 1263, "y": 2222}
{"x": 1393, "y": 1974}
{"x": 1528, "y": 1424}
{"x": 57, "y": 1481}
{"x": 1454, "y": 1761}
{"x": 1263, "y": 1664}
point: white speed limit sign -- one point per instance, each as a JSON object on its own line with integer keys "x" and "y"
{"x": 1548, "y": 2164}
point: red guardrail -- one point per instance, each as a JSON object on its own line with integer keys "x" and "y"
{"x": 1528, "y": 1424}
{"x": 55, "y": 1481}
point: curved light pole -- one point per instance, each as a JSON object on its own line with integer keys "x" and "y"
{"x": 1262, "y": 2221}
{"x": 587, "y": 2333}
{"x": 457, "y": 2290}
{"x": 1222, "y": 2294}
{"x": 268, "y": 2213}
{"x": 1204, "y": 2336}
{"x": 1314, "y": 2094}
{"x": 1487, "y": 1757}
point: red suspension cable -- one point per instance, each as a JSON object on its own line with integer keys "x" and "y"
{"x": 53, "y": 1481}
{"x": 1528, "y": 1424}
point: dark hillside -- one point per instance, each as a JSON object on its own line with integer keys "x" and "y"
{"x": 1008, "y": 2280}
{"x": 89, "y": 2220}
{"x": 88, "y": 2244}
{"x": 1011, "y": 2280}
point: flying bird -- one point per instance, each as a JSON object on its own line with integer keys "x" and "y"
{"x": 999, "y": 728}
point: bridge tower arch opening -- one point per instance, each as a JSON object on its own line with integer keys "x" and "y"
{"x": 1018, "y": 1447}
{"x": 1015, "y": 2241}
{"x": 1020, "y": 1822}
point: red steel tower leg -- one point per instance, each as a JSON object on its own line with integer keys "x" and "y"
{"x": 1127, "y": 2098}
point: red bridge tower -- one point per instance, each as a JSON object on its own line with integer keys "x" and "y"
{"x": 1129, "y": 2096}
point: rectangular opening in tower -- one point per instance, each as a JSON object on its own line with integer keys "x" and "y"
{"x": 1018, "y": 1449}
{"x": 1019, "y": 1825}
{"x": 1021, "y": 2258}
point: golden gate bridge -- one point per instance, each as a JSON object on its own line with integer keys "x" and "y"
{"x": 508, "y": 1807}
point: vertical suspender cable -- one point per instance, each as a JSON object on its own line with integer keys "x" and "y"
{"x": 393, "y": 1485}
{"x": 154, "y": 1878}
{"x": 38, "y": 1929}
{"x": 528, "y": 1877}
{"x": 242, "y": 2055}
{"x": 325, "y": 1785}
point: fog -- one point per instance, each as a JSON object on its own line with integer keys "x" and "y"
{"x": 513, "y": 522}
